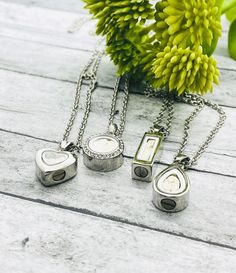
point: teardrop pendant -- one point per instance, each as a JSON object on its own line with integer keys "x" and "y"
{"x": 171, "y": 189}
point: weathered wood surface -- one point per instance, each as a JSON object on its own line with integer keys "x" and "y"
{"x": 210, "y": 216}
{"x": 31, "y": 243}
{"x": 50, "y": 30}
{"x": 42, "y": 51}
{"x": 38, "y": 98}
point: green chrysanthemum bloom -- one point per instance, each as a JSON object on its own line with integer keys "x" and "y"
{"x": 121, "y": 22}
{"x": 173, "y": 51}
{"x": 121, "y": 13}
{"x": 185, "y": 70}
{"x": 126, "y": 48}
{"x": 160, "y": 26}
{"x": 188, "y": 22}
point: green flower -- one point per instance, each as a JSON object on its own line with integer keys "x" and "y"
{"x": 160, "y": 26}
{"x": 122, "y": 23}
{"x": 126, "y": 48}
{"x": 122, "y": 14}
{"x": 173, "y": 51}
{"x": 184, "y": 70}
{"x": 188, "y": 22}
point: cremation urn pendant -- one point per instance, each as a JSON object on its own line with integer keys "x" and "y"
{"x": 54, "y": 167}
{"x": 142, "y": 164}
{"x": 171, "y": 189}
{"x": 103, "y": 152}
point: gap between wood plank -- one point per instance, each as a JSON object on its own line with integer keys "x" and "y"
{"x": 45, "y": 43}
{"x": 125, "y": 156}
{"x": 115, "y": 219}
{"x": 74, "y": 82}
{"x": 77, "y": 49}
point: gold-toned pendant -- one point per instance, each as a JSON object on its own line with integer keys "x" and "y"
{"x": 171, "y": 189}
{"x": 142, "y": 165}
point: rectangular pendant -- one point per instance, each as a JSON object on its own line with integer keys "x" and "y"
{"x": 143, "y": 161}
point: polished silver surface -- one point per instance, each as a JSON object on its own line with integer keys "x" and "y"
{"x": 172, "y": 179}
{"x": 103, "y": 152}
{"x": 171, "y": 189}
{"x": 54, "y": 167}
{"x": 199, "y": 102}
{"x": 142, "y": 164}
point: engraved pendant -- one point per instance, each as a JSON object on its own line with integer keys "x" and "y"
{"x": 142, "y": 164}
{"x": 171, "y": 189}
{"x": 103, "y": 152}
{"x": 54, "y": 167}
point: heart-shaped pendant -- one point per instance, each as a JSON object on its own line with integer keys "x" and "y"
{"x": 54, "y": 167}
{"x": 171, "y": 189}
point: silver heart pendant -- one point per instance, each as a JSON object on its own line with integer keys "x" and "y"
{"x": 171, "y": 189}
{"x": 54, "y": 167}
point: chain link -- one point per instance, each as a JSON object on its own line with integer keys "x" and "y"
{"x": 89, "y": 73}
{"x": 199, "y": 102}
{"x": 164, "y": 119}
{"x": 214, "y": 131}
{"x": 119, "y": 130}
{"x": 193, "y": 115}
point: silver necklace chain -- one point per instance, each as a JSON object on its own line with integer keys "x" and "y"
{"x": 199, "y": 102}
{"x": 89, "y": 73}
{"x": 112, "y": 127}
{"x": 164, "y": 119}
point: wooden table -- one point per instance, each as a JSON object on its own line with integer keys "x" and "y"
{"x": 101, "y": 222}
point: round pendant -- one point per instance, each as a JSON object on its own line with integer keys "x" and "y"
{"x": 103, "y": 153}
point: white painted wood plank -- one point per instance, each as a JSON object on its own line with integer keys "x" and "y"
{"x": 73, "y": 6}
{"x": 26, "y": 25}
{"x": 38, "y": 24}
{"x": 65, "y": 64}
{"x": 27, "y": 102}
{"x": 209, "y": 217}
{"x": 68, "y": 5}
{"x": 37, "y": 238}
{"x": 52, "y": 27}
{"x": 45, "y": 60}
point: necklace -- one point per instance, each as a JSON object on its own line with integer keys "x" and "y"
{"x": 57, "y": 166}
{"x": 142, "y": 164}
{"x": 104, "y": 152}
{"x": 171, "y": 186}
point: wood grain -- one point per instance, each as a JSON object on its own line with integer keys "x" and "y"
{"x": 68, "y": 5}
{"x": 210, "y": 216}
{"x": 27, "y": 102}
{"x": 101, "y": 222}
{"x": 25, "y": 26}
{"x": 37, "y": 238}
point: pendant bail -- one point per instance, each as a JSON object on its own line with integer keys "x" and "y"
{"x": 182, "y": 160}
{"x": 67, "y": 146}
{"x": 158, "y": 129}
{"x": 113, "y": 129}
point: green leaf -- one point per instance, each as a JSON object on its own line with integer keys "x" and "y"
{"x": 231, "y": 14}
{"x": 227, "y": 5}
{"x": 232, "y": 40}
